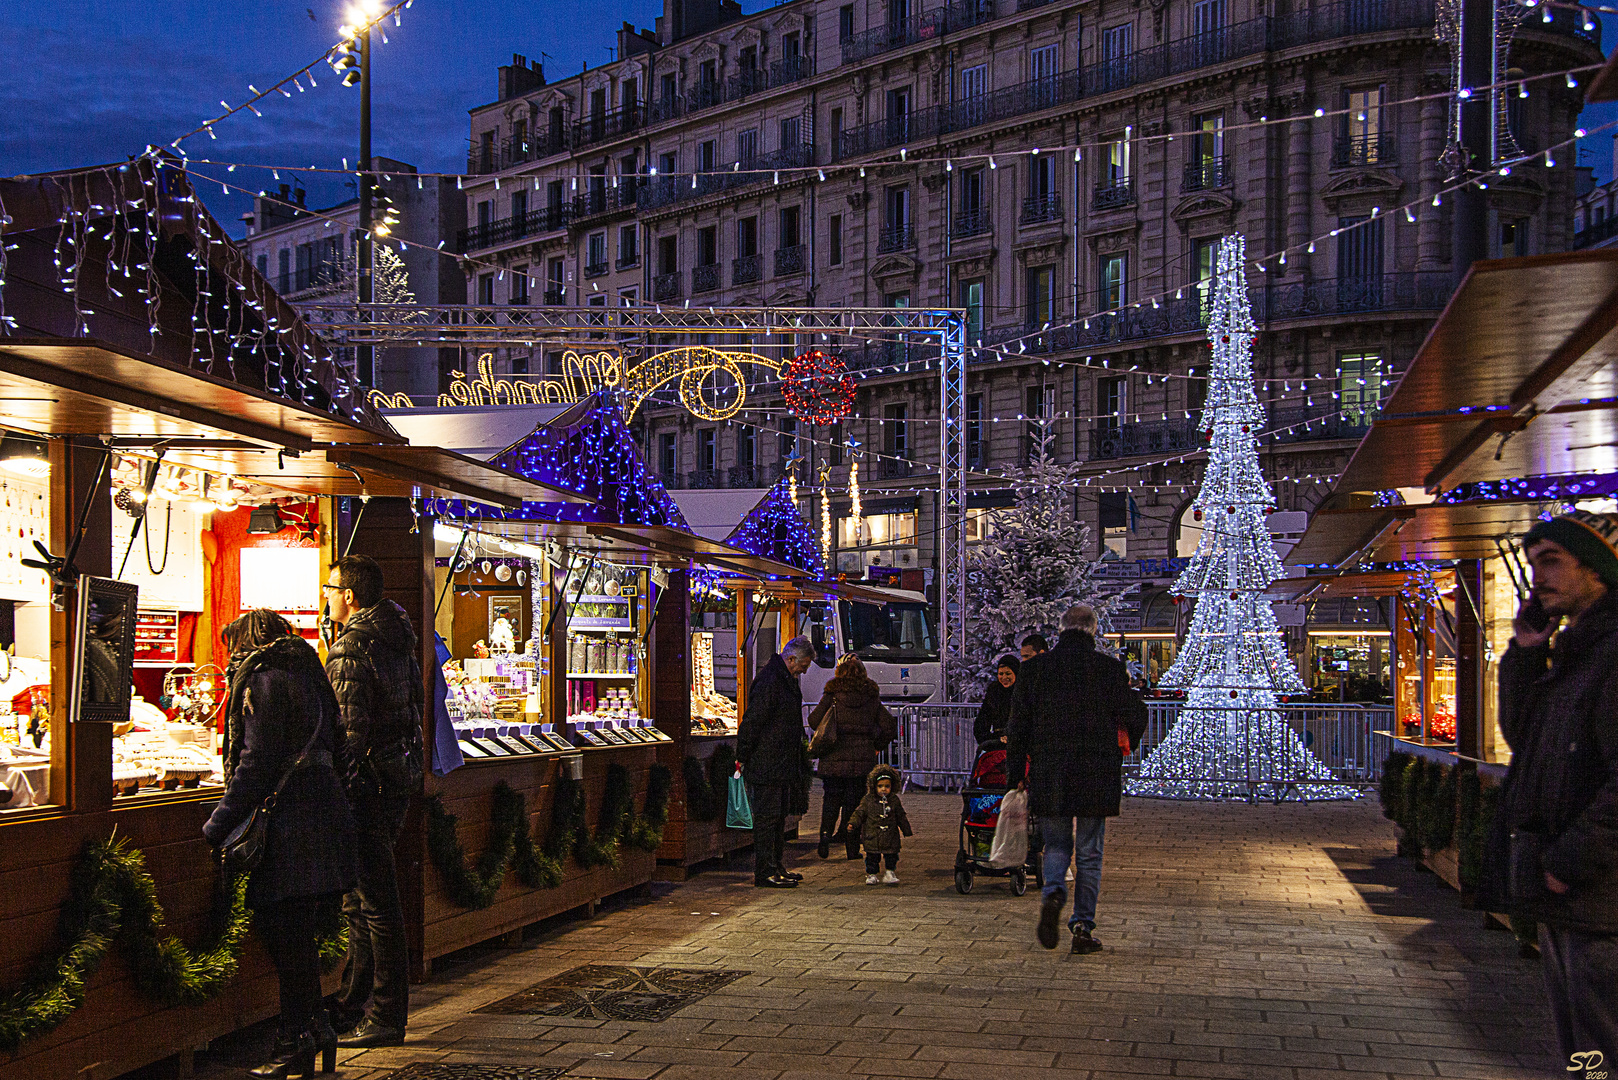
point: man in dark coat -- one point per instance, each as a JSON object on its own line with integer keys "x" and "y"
{"x": 769, "y": 749}
{"x": 1552, "y": 853}
{"x": 1068, "y": 709}
{"x": 374, "y": 671}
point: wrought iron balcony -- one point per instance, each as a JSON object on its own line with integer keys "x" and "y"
{"x": 613, "y": 124}
{"x": 516, "y": 151}
{"x": 970, "y": 223}
{"x": 505, "y": 230}
{"x": 748, "y": 476}
{"x": 927, "y": 26}
{"x": 1304, "y": 424}
{"x": 791, "y": 260}
{"x": 1113, "y": 196}
{"x": 666, "y": 286}
{"x": 791, "y": 69}
{"x": 1346, "y": 296}
{"x": 596, "y": 269}
{"x": 1041, "y": 208}
{"x": 705, "y": 96}
{"x": 671, "y": 480}
{"x": 555, "y": 296}
{"x": 606, "y": 201}
{"x": 747, "y": 81}
{"x": 1352, "y": 150}
{"x": 746, "y": 270}
{"x": 896, "y": 238}
{"x": 1129, "y": 440}
{"x": 321, "y": 275}
{"x": 1206, "y": 173}
{"x": 892, "y": 466}
{"x": 704, "y": 278}
{"x": 700, "y": 479}
{"x": 667, "y": 190}
{"x": 1596, "y": 235}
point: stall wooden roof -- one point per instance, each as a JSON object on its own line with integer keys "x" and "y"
{"x": 1435, "y": 531}
{"x": 1369, "y": 585}
{"x": 1518, "y": 377}
{"x": 697, "y": 549}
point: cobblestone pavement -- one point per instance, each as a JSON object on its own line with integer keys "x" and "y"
{"x": 1243, "y": 942}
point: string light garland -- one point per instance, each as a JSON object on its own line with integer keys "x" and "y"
{"x": 1230, "y": 736}
{"x": 854, "y": 508}
{"x": 774, "y": 529}
{"x": 825, "y": 515}
{"x": 818, "y": 388}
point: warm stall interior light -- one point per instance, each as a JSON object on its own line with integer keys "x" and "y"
{"x": 24, "y": 455}
{"x": 1349, "y": 633}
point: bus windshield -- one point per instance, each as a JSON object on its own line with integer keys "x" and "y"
{"x": 894, "y": 633}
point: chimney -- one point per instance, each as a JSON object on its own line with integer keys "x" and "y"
{"x": 517, "y": 78}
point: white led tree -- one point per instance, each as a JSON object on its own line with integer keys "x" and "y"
{"x": 1029, "y": 567}
{"x": 1230, "y": 740}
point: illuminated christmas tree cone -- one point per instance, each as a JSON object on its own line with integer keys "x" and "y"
{"x": 1230, "y": 740}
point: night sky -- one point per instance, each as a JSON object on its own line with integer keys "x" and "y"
{"x": 84, "y": 83}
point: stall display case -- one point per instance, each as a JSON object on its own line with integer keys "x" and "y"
{"x": 157, "y": 639}
{"x": 712, "y": 713}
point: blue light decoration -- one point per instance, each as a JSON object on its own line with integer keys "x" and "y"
{"x": 587, "y": 450}
{"x": 1526, "y": 488}
{"x": 774, "y": 529}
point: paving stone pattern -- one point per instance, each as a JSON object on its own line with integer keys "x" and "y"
{"x": 1241, "y": 942}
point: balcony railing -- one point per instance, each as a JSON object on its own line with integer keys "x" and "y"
{"x": 699, "y": 479}
{"x": 613, "y": 124}
{"x": 1113, "y": 196}
{"x": 892, "y": 468}
{"x": 927, "y": 26}
{"x": 505, "y": 230}
{"x": 516, "y": 151}
{"x": 791, "y": 69}
{"x": 746, "y": 270}
{"x": 1131, "y": 440}
{"x": 747, "y": 81}
{"x": 1303, "y": 424}
{"x": 666, "y": 286}
{"x": 554, "y": 296}
{"x": 1596, "y": 235}
{"x": 748, "y": 476}
{"x": 671, "y": 480}
{"x": 1346, "y": 296}
{"x": 1206, "y": 173}
{"x": 668, "y": 190}
{"x": 1041, "y": 208}
{"x": 1379, "y": 149}
{"x": 970, "y": 223}
{"x": 596, "y": 269}
{"x": 791, "y": 260}
{"x": 608, "y": 200}
{"x": 896, "y": 238}
{"x": 704, "y": 278}
{"x": 319, "y": 275}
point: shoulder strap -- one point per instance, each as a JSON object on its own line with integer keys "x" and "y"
{"x": 303, "y": 755}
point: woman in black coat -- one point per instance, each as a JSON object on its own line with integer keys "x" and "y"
{"x": 282, "y": 722}
{"x": 994, "y": 715}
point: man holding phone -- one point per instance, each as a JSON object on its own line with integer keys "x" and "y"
{"x": 1552, "y": 853}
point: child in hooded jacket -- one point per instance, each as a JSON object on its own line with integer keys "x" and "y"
{"x": 878, "y": 822}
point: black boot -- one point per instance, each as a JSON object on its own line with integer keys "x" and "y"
{"x": 325, "y": 1042}
{"x": 294, "y": 1056}
{"x": 824, "y": 850}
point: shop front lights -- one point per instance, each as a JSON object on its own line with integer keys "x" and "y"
{"x": 24, "y": 455}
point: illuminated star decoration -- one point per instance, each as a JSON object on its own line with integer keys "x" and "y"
{"x": 791, "y": 467}
{"x": 818, "y": 388}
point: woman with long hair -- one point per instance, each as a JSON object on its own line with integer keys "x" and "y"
{"x": 864, "y": 729}
{"x": 281, "y": 721}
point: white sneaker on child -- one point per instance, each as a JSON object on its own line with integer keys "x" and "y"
{"x": 890, "y": 878}
{"x": 870, "y": 879}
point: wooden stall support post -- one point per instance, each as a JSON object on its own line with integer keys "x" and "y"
{"x": 81, "y": 754}
{"x": 744, "y": 662}
{"x": 669, "y": 654}
{"x": 1470, "y": 669}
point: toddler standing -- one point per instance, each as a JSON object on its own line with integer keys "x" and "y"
{"x": 879, "y": 821}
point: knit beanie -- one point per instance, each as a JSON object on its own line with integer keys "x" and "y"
{"x": 1590, "y": 538}
{"x": 1010, "y": 660}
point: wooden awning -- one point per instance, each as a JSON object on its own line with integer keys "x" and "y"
{"x": 1370, "y": 585}
{"x": 1518, "y": 377}
{"x": 698, "y": 549}
{"x": 1434, "y": 532}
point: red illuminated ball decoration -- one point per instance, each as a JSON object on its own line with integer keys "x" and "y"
{"x": 818, "y": 388}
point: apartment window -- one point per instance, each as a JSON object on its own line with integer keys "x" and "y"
{"x": 1040, "y": 409}
{"x": 627, "y": 297}
{"x": 836, "y": 132}
{"x": 1117, "y": 42}
{"x": 629, "y": 94}
{"x": 1117, "y": 162}
{"x": 264, "y": 267}
{"x": 834, "y": 240}
{"x": 668, "y": 254}
{"x": 486, "y": 146}
{"x": 896, "y": 430}
{"x": 708, "y": 75}
{"x": 1513, "y": 238}
{"x": 747, "y": 145}
{"x": 1041, "y": 281}
{"x": 486, "y": 289}
{"x": 669, "y": 88}
{"x": 747, "y": 446}
{"x": 553, "y": 363}
{"x": 972, "y": 304}
{"x": 790, "y": 128}
{"x": 519, "y": 205}
{"x": 1114, "y": 281}
{"x": 1359, "y": 249}
{"x": 668, "y": 459}
{"x": 1359, "y": 386}
{"x": 898, "y": 207}
{"x": 1041, "y": 63}
{"x": 747, "y": 237}
{"x": 668, "y": 164}
{"x": 899, "y": 112}
{"x": 749, "y": 58}
{"x": 283, "y": 260}
{"x": 557, "y": 278}
{"x": 1204, "y": 258}
{"x": 1112, "y": 402}
{"x": 596, "y": 248}
{"x": 971, "y": 190}
{"x": 708, "y": 246}
{"x": 486, "y": 213}
{"x": 791, "y": 47}
{"x": 598, "y": 102}
{"x": 519, "y": 284}
{"x": 974, "y": 430}
{"x": 628, "y": 245}
{"x": 845, "y": 22}
{"x": 1042, "y": 177}
{"x": 1208, "y": 16}
{"x": 1208, "y": 138}
{"x": 974, "y": 81}
{"x": 790, "y": 236}
{"x": 554, "y": 195}
{"x": 705, "y": 450}
{"x": 706, "y": 150}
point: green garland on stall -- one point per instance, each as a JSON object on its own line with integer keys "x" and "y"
{"x": 1391, "y": 788}
{"x": 1438, "y": 810}
{"x": 707, "y": 784}
{"x": 113, "y": 899}
{"x": 1470, "y": 829}
{"x": 510, "y": 848}
{"x": 1410, "y": 788}
{"x": 645, "y": 833}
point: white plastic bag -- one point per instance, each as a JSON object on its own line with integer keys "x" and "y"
{"x": 1010, "y": 848}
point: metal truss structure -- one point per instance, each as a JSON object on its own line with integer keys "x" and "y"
{"x": 902, "y": 339}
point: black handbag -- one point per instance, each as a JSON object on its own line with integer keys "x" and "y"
{"x": 243, "y": 849}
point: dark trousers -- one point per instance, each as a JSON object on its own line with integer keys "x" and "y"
{"x": 769, "y": 828}
{"x": 377, "y": 967}
{"x": 841, "y": 796}
{"x": 875, "y": 860}
{"x": 1581, "y": 979}
{"x": 290, "y": 931}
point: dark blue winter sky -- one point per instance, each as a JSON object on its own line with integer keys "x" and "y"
{"x": 83, "y": 82}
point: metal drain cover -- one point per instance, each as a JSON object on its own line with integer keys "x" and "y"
{"x": 613, "y": 992}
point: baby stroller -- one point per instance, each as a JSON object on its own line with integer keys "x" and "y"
{"x": 980, "y": 813}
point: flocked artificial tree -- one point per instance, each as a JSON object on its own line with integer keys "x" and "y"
{"x": 1031, "y": 567}
{"x": 1230, "y": 740}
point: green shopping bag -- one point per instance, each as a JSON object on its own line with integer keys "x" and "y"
{"x": 738, "y": 810}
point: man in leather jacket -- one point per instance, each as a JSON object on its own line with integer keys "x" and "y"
{"x": 374, "y": 671}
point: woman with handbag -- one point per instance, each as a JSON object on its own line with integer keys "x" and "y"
{"x": 285, "y": 819}
{"x": 851, "y": 727}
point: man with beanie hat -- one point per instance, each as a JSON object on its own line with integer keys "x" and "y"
{"x": 1552, "y": 852}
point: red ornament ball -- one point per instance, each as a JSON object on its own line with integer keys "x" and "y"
{"x": 1233, "y": 596}
{"x": 1230, "y": 509}
{"x": 1233, "y": 694}
{"x": 818, "y": 388}
{"x": 1244, "y": 427}
{"x": 1197, "y": 514}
